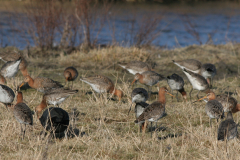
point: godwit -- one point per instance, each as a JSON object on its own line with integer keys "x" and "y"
{"x": 22, "y": 113}
{"x": 154, "y": 111}
{"x": 13, "y": 56}
{"x": 148, "y": 78}
{"x": 54, "y": 97}
{"x": 198, "y": 82}
{"x": 190, "y": 64}
{"x": 139, "y": 95}
{"x": 176, "y": 82}
{"x": 41, "y": 84}
{"x": 70, "y": 74}
{"x": 101, "y": 84}
{"x": 229, "y": 103}
{"x": 208, "y": 71}
{"x": 135, "y": 67}
{"x": 6, "y": 95}
{"x": 228, "y": 128}
{"x": 10, "y": 69}
{"x": 213, "y": 108}
{"x": 55, "y": 120}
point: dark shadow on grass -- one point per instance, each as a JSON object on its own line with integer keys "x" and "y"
{"x": 170, "y": 136}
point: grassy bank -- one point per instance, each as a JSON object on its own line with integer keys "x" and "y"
{"x": 110, "y": 132}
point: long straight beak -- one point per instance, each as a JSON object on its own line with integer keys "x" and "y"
{"x": 133, "y": 82}
{"x": 21, "y": 84}
{"x": 200, "y": 99}
{"x": 129, "y": 109}
{"x": 170, "y": 94}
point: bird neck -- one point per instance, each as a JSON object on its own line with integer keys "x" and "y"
{"x": 236, "y": 109}
{"x": 141, "y": 79}
{"x": 19, "y": 97}
{"x": 31, "y": 82}
{"x": 116, "y": 92}
{"x": 183, "y": 93}
{"x": 161, "y": 97}
{"x": 41, "y": 107}
{"x": 2, "y": 80}
{"x": 24, "y": 71}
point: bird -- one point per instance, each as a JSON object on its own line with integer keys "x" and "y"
{"x": 10, "y": 69}
{"x": 176, "y": 82}
{"x": 6, "y": 95}
{"x": 70, "y": 74}
{"x": 13, "y": 56}
{"x": 55, "y": 120}
{"x": 55, "y": 97}
{"x": 229, "y": 103}
{"x": 190, "y": 64}
{"x": 2, "y": 80}
{"x": 139, "y": 96}
{"x": 208, "y": 71}
{"x": 135, "y": 67}
{"x": 213, "y": 108}
{"x": 41, "y": 84}
{"x": 154, "y": 111}
{"x": 102, "y": 84}
{"x": 198, "y": 82}
{"x": 227, "y": 128}
{"x": 148, "y": 78}
{"x": 22, "y": 113}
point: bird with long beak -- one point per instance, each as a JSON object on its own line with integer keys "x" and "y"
{"x": 102, "y": 84}
{"x": 213, "y": 108}
{"x": 176, "y": 82}
{"x": 148, "y": 78}
{"x": 135, "y": 67}
{"x": 154, "y": 111}
{"x": 208, "y": 71}
{"x": 70, "y": 74}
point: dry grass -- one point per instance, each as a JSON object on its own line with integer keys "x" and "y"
{"x": 110, "y": 132}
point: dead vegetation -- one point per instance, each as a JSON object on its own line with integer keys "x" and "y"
{"x": 109, "y": 132}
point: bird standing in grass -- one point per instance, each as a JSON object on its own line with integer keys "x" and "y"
{"x": 148, "y": 78}
{"x": 208, "y": 71}
{"x": 229, "y": 103}
{"x": 135, "y": 67}
{"x": 102, "y": 84}
{"x": 154, "y": 111}
{"x": 227, "y": 128}
{"x": 176, "y": 82}
{"x": 190, "y": 64}
{"x": 54, "y": 97}
{"x": 70, "y": 74}
{"x": 198, "y": 82}
{"x": 41, "y": 84}
{"x": 213, "y": 108}
{"x": 22, "y": 113}
{"x": 6, "y": 95}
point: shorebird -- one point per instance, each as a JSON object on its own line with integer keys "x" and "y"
{"x": 6, "y": 95}
{"x": 198, "y": 82}
{"x": 148, "y": 78}
{"x": 10, "y": 69}
{"x": 55, "y": 120}
{"x": 102, "y": 84}
{"x": 208, "y": 71}
{"x": 176, "y": 82}
{"x": 213, "y": 108}
{"x": 70, "y": 74}
{"x": 41, "y": 84}
{"x": 135, "y": 67}
{"x": 54, "y": 97}
{"x": 139, "y": 95}
{"x": 154, "y": 111}
{"x": 13, "y": 56}
{"x": 190, "y": 64}
{"x": 228, "y": 128}
{"x": 22, "y": 113}
{"x": 229, "y": 103}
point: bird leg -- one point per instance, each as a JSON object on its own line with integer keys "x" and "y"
{"x": 72, "y": 85}
{"x": 190, "y": 94}
{"x": 24, "y": 131}
{"x": 177, "y": 96}
{"x": 197, "y": 94}
{"x": 144, "y": 127}
{"x": 210, "y": 122}
{"x": 151, "y": 129}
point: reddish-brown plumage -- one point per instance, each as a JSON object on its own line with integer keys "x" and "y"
{"x": 70, "y": 73}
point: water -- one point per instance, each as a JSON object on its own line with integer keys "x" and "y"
{"x": 218, "y": 20}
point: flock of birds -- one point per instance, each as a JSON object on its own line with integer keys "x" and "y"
{"x": 54, "y": 93}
